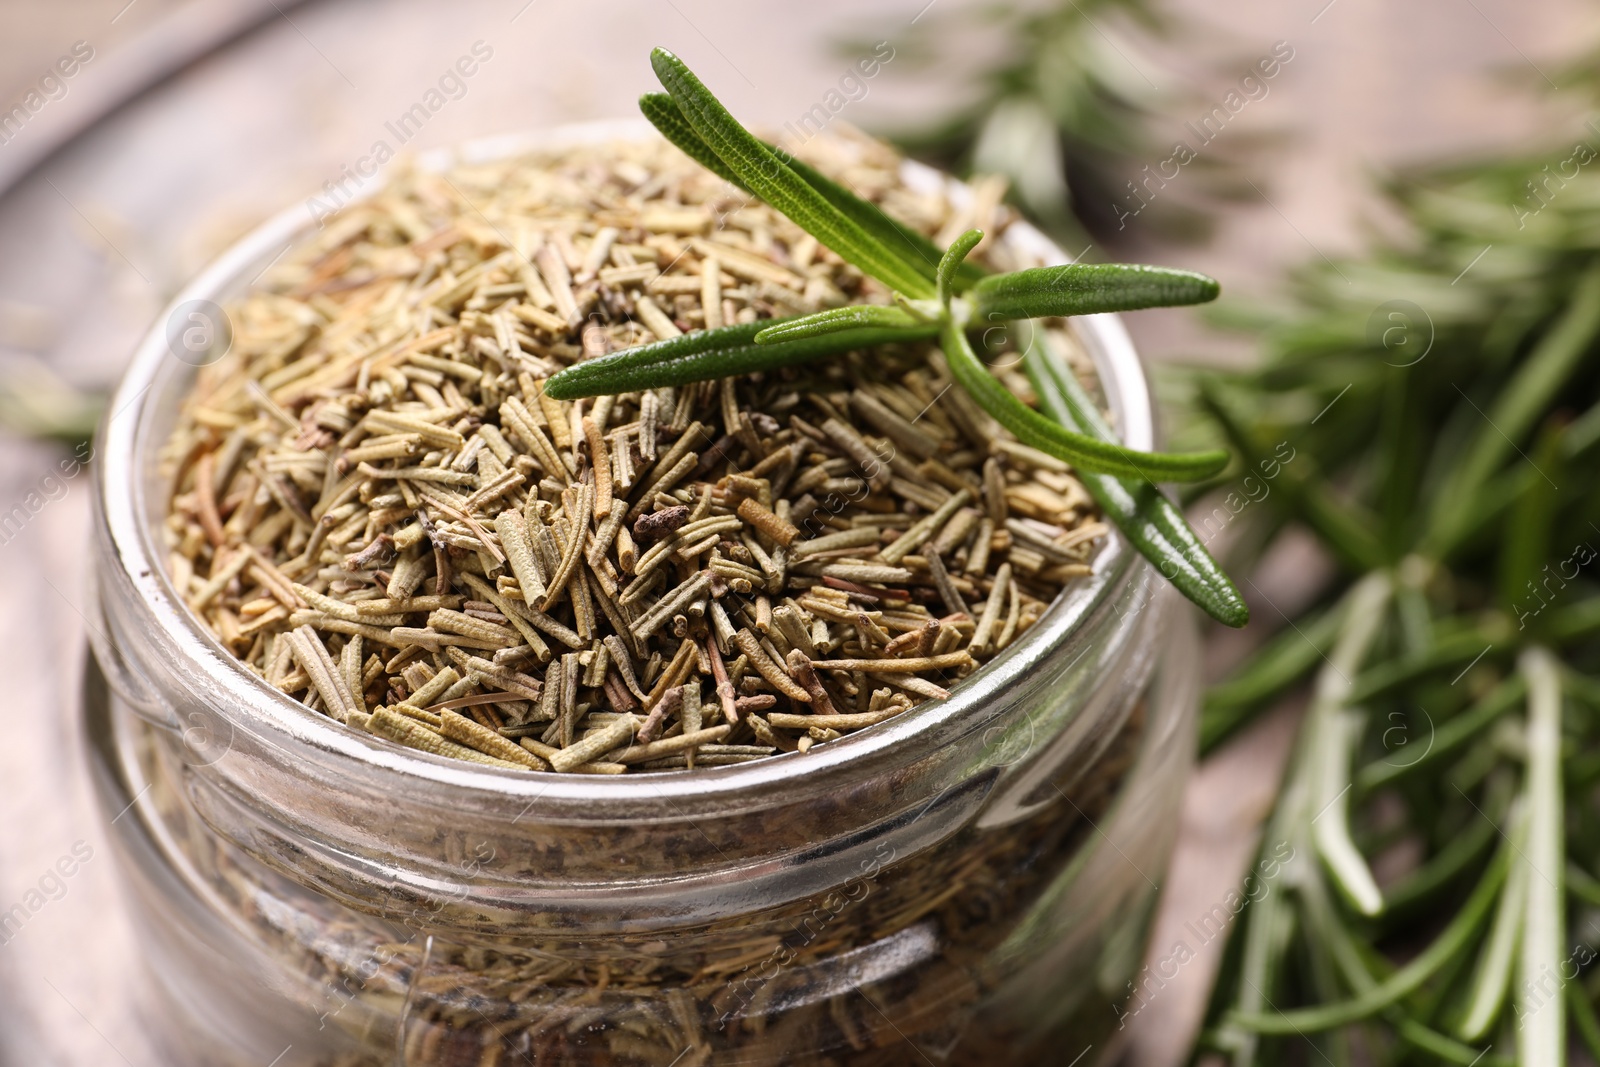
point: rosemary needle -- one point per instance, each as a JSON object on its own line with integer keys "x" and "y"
{"x": 766, "y": 175}
{"x": 1542, "y": 1029}
{"x": 1492, "y": 978}
{"x": 1150, "y": 521}
{"x": 1086, "y": 289}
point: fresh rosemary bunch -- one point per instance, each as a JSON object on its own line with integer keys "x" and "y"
{"x": 938, "y": 295}
{"x": 1442, "y": 398}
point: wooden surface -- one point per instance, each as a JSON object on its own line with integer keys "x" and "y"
{"x": 92, "y": 246}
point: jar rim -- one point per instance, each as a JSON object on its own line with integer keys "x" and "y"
{"x": 246, "y": 702}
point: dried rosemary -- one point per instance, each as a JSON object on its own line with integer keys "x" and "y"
{"x": 381, "y": 509}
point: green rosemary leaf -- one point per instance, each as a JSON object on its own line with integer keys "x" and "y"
{"x": 1542, "y": 1024}
{"x": 835, "y": 319}
{"x": 1446, "y": 1049}
{"x": 912, "y": 246}
{"x": 1333, "y": 962}
{"x": 1080, "y": 450}
{"x": 917, "y": 250}
{"x": 1526, "y": 546}
{"x": 691, "y": 358}
{"x": 1492, "y": 978}
{"x": 1345, "y": 526}
{"x": 1335, "y": 725}
{"x": 571, "y": 383}
{"x": 1419, "y": 892}
{"x": 1447, "y": 738}
{"x": 1151, "y": 522}
{"x": 770, "y": 178}
{"x": 664, "y": 115}
{"x": 1520, "y": 402}
{"x": 951, "y": 262}
{"x": 1086, "y": 289}
{"x": 1456, "y": 648}
{"x": 1583, "y": 886}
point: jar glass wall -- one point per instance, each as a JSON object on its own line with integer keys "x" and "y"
{"x": 973, "y": 876}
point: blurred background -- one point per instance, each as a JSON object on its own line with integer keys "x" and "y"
{"x": 186, "y": 122}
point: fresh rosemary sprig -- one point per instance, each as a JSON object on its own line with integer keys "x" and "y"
{"x": 938, "y": 294}
{"x": 1447, "y": 454}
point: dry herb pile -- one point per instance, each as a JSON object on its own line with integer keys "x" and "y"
{"x": 382, "y": 514}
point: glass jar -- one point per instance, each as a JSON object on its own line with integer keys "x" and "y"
{"x": 969, "y": 882}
